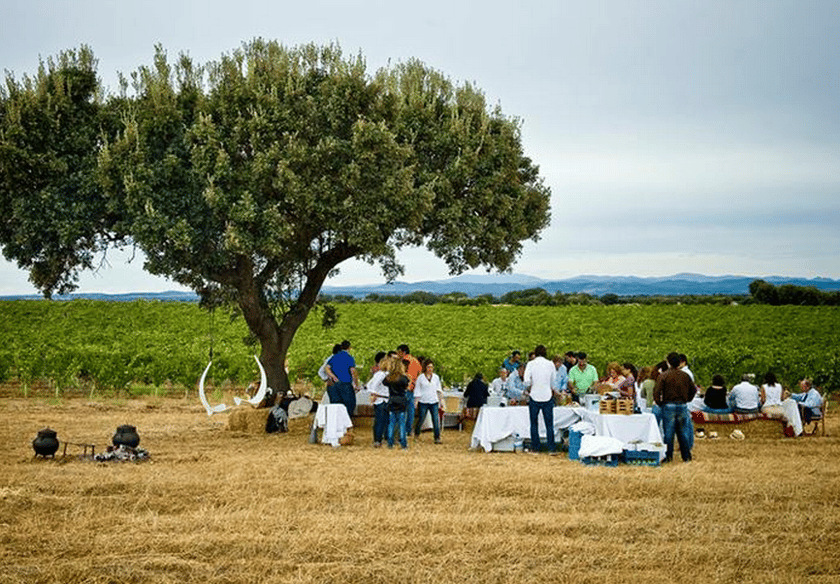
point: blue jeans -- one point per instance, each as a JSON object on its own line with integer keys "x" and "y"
{"x": 738, "y": 410}
{"x": 676, "y": 420}
{"x": 709, "y": 410}
{"x": 421, "y": 417}
{"x": 342, "y": 393}
{"x": 380, "y": 421}
{"x": 547, "y": 409}
{"x": 656, "y": 410}
{"x": 396, "y": 421}
{"x": 409, "y": 411}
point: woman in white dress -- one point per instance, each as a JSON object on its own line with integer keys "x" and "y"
{"x": 773, "y": 404}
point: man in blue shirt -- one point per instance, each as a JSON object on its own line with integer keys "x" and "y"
{"x": 810, "y": 400}
{"x": 341, "y": 369}
{"x": 512, "y": 362}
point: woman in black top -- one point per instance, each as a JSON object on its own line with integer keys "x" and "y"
{"x": 714, "y": 401}
{"x": 397, "y": 384}
{"x": 476, "y": 392}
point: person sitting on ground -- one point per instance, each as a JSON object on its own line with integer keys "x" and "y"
{"x": 497, "y": 386}
{"x": 476, "y": 392}
{"x": 771, "y": 396}
{"x": 744, "y": 397}
{"x": 714, "y": 402}
{"x": 810, "y": 401}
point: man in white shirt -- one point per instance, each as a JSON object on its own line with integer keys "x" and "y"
{"x": 322, "y": 371}
{"x": 538, "y": 375}
{"x": 744, "y": 397}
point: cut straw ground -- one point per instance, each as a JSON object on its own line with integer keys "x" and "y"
{"x": 214, "y": 505}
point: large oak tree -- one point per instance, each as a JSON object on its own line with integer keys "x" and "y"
{"x": 252, "y": 178}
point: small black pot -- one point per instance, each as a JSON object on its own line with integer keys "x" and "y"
{"x": 126, "y": 436}
{"x": 46, "y": 443}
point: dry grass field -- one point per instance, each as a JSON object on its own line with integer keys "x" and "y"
{"x": 213, "y": 505}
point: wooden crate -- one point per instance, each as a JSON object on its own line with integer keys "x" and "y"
{"x": 624, "y": 406}
{"x": 607, "y": 406}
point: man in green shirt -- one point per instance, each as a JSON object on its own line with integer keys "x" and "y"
{"x": 582, "y": 377}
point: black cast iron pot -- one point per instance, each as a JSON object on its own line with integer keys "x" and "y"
{"x": 46, "y": 443}
{"x": 126, "y": 436}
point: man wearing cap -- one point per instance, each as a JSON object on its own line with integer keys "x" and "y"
{"x": 673, "y": 390}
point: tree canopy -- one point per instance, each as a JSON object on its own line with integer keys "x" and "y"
{"x": 252, "y": 178}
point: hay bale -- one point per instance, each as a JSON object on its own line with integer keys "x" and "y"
{"x": 363, "y": 422}
{"x": 247, "y": 419}
{"x": 761, "y": 428}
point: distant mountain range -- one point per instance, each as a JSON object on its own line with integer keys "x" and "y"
{"x": 500, "y": 284}
{"x": 497, "y": 285}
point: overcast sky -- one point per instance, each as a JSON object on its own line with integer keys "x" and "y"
{"x": 676, "y": 136}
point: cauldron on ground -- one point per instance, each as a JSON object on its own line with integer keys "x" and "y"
{"x": 126, "y": 436}
{"x": 46, "y": 443}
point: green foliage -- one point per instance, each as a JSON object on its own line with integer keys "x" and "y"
{"x": 766, "y": 293}
{"x": 109, "y": 346}
{"x": 252, "y": 178}
{"x": 53, "y": 217}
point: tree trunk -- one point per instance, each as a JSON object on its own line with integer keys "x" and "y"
{"x": 275, "y": 339}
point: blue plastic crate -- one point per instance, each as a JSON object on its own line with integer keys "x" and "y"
{"x": 641, "y": 457}
{"x": 574, "y": 444}
{"x": 605, "y": 460}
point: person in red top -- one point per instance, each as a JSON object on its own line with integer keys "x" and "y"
{"x": 413, "y": 369}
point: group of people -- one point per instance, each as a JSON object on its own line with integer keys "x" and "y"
{"x": 400, "y": 385}
{"x": 572, "y": 378}
{"x": 769, "y": 398}
{"x": 667, "y": 389}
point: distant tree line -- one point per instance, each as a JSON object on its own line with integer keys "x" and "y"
{"x": 762, "y": 292}
{"x": 534, "y": 297}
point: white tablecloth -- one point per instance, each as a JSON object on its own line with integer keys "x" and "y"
{"x": 494, "y": 424}
{"x": 334, "y": 420}
{"x": 635, "y": 428}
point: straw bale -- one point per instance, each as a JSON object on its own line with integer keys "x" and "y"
{"x": 751, "y": 429}
{"x": 247, "y": 419}
{"x": 363, "y": 422}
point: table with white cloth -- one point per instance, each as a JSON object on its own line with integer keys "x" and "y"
{"x": 632, "y": 428}
{"x": 334, "y": 420}
{"x": 495, "y": 424}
